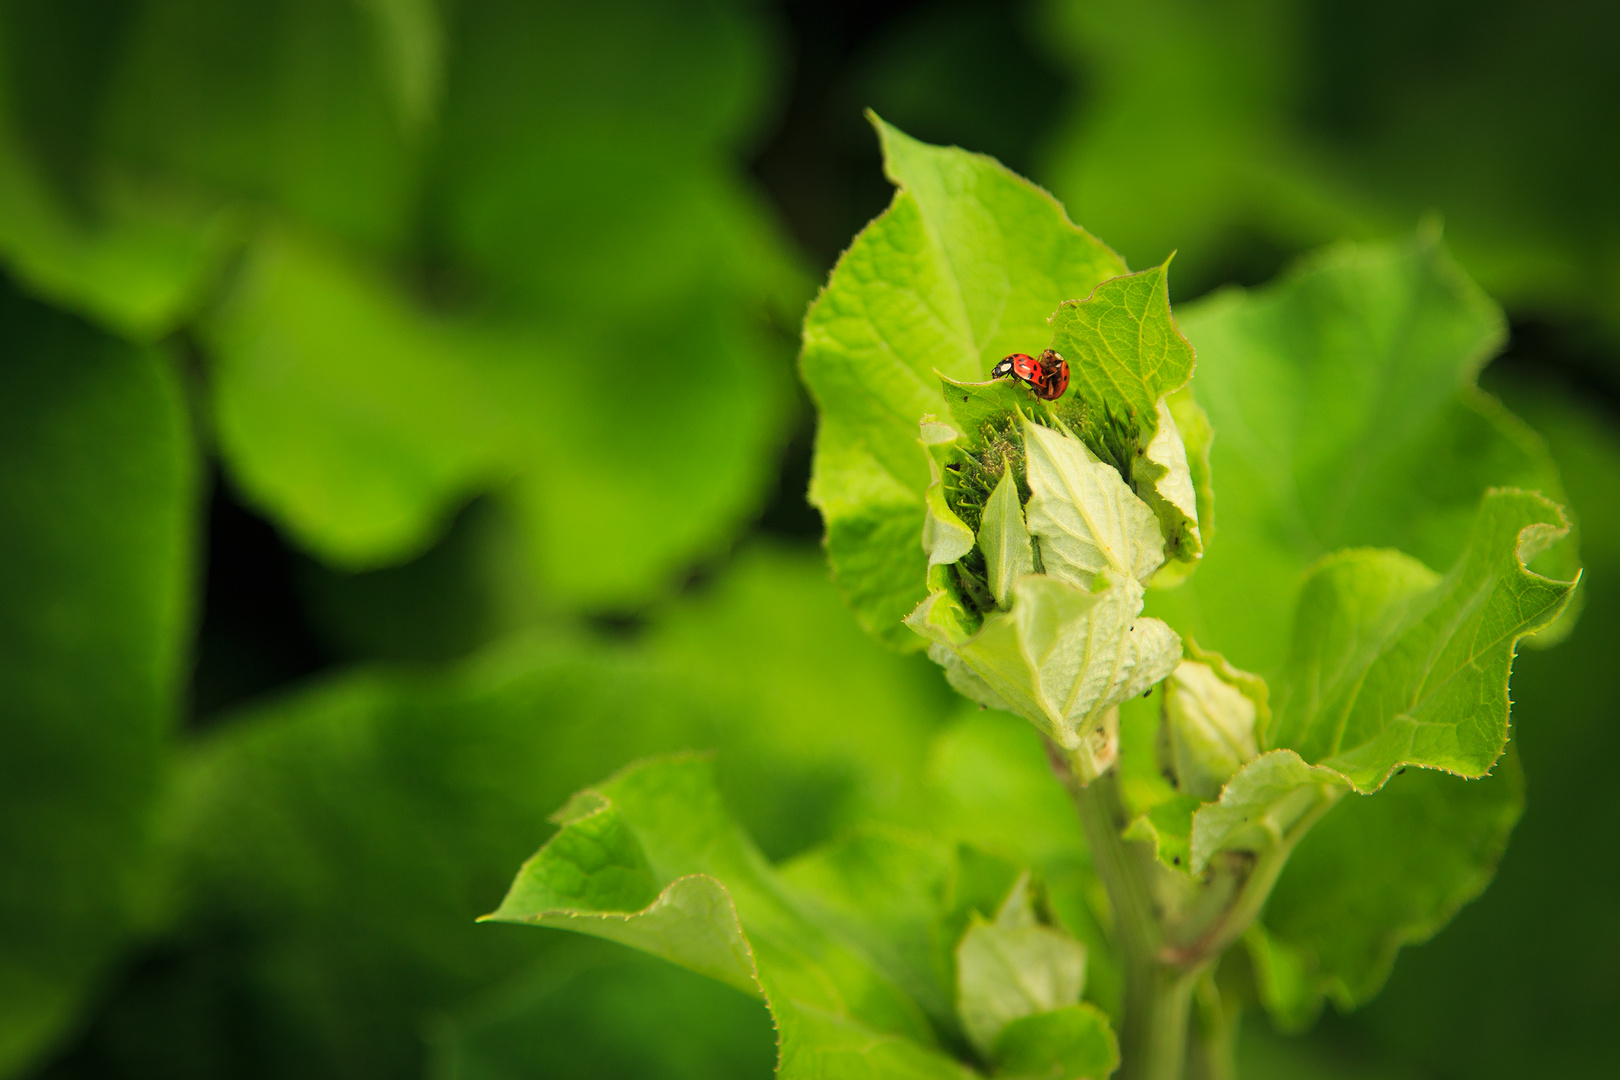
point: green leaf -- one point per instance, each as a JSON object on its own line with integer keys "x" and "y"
{"x": 310, "y": 130}
{"x": 1123, "y": 346}
{"x": 96, "y": 237}
{"x": 1125, "y": 355}
{"x": 1381, "y": 872}
{"x": 1268, "y": 804}
{"x": 807, "y": 757}
{"x": 361, "y": 422}
{"x": 945, "y": 538}
{"x": 964, "y": 267}
{"x": 304, "y": 336}
{"x": 1060, "y": 657}
{"x": 723, "y": 911}
{"x": 1085, "y": 516}
{"x": 98, "y": 497}
{"x": 993, "y": 787}
{"x": 1014, "y": 967}
{"x": 566, "y": 1015}
{"x": 1364, "y": 355}
{"x": 334, "y": 846}
{"x": 1393, "y": 667}
{"x": 1004, "y": 539}
{"x": 890, "y": 893}
{"x": 1072, "y": 1043}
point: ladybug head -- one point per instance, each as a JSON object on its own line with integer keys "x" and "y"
{"x": 1012, "y": 364}
{"x": 1021, "y": 365}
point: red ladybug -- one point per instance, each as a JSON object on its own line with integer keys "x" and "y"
{"x": 1048, "y": 376}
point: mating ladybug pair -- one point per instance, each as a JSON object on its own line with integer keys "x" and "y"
{"x": 1048, "y": 376}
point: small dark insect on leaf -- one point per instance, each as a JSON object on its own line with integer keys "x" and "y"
{"x": 1148, "y": 692}
{"x": 1176, "y": 859}
{"x": 1401, "y": 771}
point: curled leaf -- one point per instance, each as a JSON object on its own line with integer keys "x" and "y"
{"x": 1060, "y": 657}
{"x": 1087, "y": 518}
{"x": 1208, "y": 731}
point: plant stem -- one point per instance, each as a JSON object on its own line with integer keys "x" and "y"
{"x": 1153, "y": 1038}
{"x": 1166, "y": 954}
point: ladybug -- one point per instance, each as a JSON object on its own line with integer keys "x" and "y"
{"x": 1048, "y": 376}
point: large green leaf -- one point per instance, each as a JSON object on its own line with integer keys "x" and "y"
{"x": 362, "y": 422}
{"x": 1391, "y": 666}
{"x": 651, "y": 858}
{"x": 568, "y": 1015}
{"x": 1380, "y": 872}
{"x": 97, "y": 496}
{"x": 335, "y": 845}
{"x": 965, "y": 266}
{"x": 284, "y": 103}
{"x": 607, "y": 315}
{"x": 836, "y": 728}
{"x": 1345, "y": 415}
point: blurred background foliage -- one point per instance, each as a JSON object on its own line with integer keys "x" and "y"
{"x": 399, "y": 431}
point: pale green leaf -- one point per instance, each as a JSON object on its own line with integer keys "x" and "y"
{"x": 945, "y": 538}
{"x": 1392, "y": 667}
{"x": 724, "y": 911}
{"x": 1087, "y": 519}
{"x": 964, "y": 267}
{"x": 1196, "y": 439}
{"x": 1004, "y": 539}
{"x": 1062, "y": 655}
{"x": 1072, "y": 1043}
{"x": 1013, "y": 967}
{"x": 1269, "y": 804}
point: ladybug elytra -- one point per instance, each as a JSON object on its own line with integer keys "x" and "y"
{"x": 1048, "y": 376}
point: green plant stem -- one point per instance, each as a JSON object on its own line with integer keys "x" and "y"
{"x": 1163, "y": 965}
{"x": 1158, "y": 996}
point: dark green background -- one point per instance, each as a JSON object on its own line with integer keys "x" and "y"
{"x": 398, "y": 431}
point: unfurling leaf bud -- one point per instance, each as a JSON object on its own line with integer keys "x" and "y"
{"x": 1208, "y": 730}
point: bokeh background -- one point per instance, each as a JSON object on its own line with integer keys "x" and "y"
{"x": 399, "y": 430}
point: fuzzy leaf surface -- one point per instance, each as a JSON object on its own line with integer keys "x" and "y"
{"x": 965, "y": 266}
{"x": 1062, "y": 654}
{"x": 1391, "y": 666}
{"x": 1087, "y": 518}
